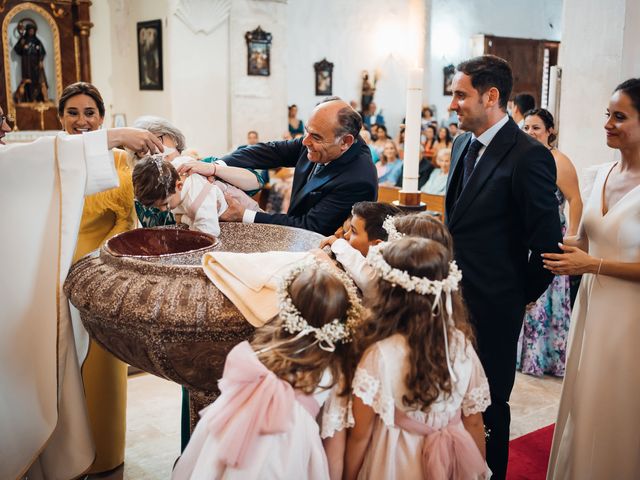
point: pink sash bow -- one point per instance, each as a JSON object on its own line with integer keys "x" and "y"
{"x": 253, "y": 402}
{"x": 448, "y": 453}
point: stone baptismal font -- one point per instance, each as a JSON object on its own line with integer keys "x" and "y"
{"x": 145, "y": 298}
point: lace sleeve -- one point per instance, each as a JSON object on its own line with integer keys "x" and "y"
{"x": 477, "y": 398}
{"x": 372, "y": 387}
{"x": 336, "y": 413}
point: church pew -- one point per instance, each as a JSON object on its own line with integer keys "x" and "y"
{"x": 435, "y": 203}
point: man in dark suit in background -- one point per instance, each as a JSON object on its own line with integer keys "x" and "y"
{"x": 333, "y": 170}
{"x": 502, "y": 213}
{"x": 520, "y": 105}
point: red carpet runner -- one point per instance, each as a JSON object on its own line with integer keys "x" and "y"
{"x": 529, "y": 455}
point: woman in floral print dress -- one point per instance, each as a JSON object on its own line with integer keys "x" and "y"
{"x": 543, "y": 340}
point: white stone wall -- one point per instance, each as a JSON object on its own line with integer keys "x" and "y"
{"x": 114, "y": 57}
{"x": 599, "y": 50}
{"x": 357, "y": 35}
{"x": 206, "y": 91}
{"x": 208, "y": 94}
{"x": 455, "y": 22}
{"x": 258, "y": 103}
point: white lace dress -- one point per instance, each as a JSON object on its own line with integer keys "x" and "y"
{"x": 394, "y": 453}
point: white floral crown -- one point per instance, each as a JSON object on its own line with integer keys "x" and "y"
{"x": 332, "y": 332}
{"x": 389, "y": 226}
{"x": 421, "y": 285}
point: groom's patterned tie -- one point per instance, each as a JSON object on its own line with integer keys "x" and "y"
{"x": 470, "y": 160}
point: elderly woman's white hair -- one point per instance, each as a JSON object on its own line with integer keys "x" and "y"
{"x": 160, "y": 126}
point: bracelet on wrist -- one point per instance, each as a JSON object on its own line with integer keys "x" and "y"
{"x": 599, "y": 266}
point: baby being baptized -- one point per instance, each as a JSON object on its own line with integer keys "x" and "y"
{"x": 157, "y": 183}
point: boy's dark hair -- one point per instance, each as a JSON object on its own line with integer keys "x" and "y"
{"x": 374, "y": 214}
{"x": 489, "y": 71}
{"x": 153, "y": 180}
{"x": 525, "y": 102}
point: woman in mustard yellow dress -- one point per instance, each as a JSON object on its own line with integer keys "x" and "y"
{"x": 105, "y": 214}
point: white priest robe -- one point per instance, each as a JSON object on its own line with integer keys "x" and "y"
{"x": 44, "y": 429}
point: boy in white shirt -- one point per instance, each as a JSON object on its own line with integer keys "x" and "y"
{"x": 365, "y": 229}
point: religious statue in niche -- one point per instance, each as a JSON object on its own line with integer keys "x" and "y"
{"x": 368, "y": 90}
{"x": 258, "y": 52}
{"x": 324, "y": 77}
{"x": 33, "y": 86}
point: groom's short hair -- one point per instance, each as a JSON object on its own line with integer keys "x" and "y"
{"x": 489, "y": 71}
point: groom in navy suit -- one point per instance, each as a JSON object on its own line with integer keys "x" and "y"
{"x": 502, "y": 213}
{"x": 333, "y": 170}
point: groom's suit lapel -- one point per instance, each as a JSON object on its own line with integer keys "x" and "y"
{"x": 492, "y": 157}
{"x": 455, "y": 174}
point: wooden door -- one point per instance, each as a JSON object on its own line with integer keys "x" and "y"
{"x": 526, "y": 57}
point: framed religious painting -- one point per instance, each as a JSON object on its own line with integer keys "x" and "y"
{"x": 150, "y": 55}
{"x": 258, "y": 52}
{"x": 448, "y": 73}
{"x": 324, "y": 77}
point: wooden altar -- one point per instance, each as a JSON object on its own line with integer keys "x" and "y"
{"x": 62, "y": 29}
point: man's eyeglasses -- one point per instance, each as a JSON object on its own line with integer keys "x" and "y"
{"x": 6, "y": 118}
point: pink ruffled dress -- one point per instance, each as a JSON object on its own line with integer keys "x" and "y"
{"x": 259, "y": 427}
{"x": 407, "y": 443}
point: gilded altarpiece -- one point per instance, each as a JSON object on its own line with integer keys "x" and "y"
{"x": 45, "y": 46}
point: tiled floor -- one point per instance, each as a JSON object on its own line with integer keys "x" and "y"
{"x": 153, "y": 421}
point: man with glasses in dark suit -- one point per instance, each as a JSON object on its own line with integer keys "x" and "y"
{"x": 333, "y": 170}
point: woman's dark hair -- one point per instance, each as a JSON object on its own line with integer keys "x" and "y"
{"x": 374, "y": 215}
{"x": 80, "y": 88}
{"x": 631, "y": 87}
{"x": 488, "y": 71}
{"x": 384, "y": 129}
{"x": 435, "y": 134}
{"x": 447, "y": 136}
{"x": 546, "y": 118}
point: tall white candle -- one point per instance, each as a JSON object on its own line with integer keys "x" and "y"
{"x": 412, "y": 131}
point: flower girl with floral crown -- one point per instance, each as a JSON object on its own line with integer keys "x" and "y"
{"x": 263, "y": 425}
{"x": 419, "y": 389}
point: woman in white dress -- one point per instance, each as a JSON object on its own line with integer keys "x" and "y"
{"x": 597, "y": 434}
